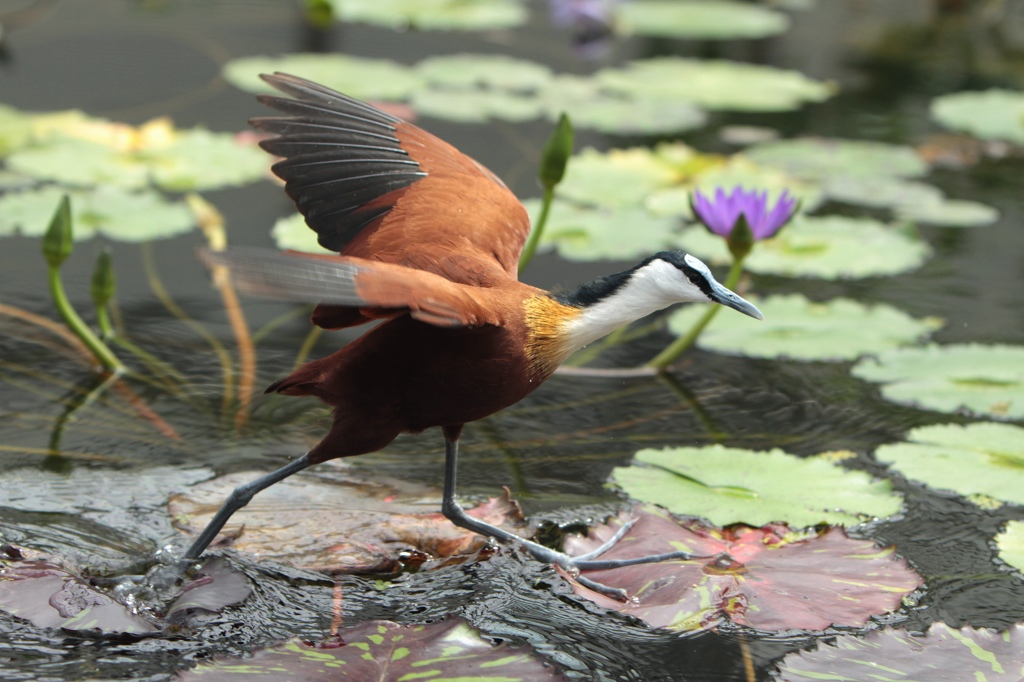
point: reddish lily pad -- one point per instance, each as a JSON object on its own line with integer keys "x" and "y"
{"x": 49, "y": 596}
{"x": 339, "y": 526}
{"x": 769, "y": 578}
{"x": 942, "y": 653}
{"x": 386, "y": 651}
{"x": 215, "y": 586}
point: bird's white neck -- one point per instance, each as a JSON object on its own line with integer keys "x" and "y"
{"x": 650, "y": 287}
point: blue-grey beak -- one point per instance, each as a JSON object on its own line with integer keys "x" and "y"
{"x": 720, "y": 294}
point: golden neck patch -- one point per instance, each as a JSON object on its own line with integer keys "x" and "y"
{"x": 547, "y": 341}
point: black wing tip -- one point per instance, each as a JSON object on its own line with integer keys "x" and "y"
{"x": 304, "y": 90}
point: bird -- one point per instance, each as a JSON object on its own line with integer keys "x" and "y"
{"x": 426, "y": 243}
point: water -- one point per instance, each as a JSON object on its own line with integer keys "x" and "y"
{"x": 102, "y": 501}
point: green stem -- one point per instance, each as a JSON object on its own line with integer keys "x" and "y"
{"x": 679, "y": 346}
{"x": 103, "y": 322}
{"x": 81, "y": 330}
{"x": 538, "y": 229}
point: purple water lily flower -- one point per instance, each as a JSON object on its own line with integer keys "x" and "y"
{"x": 721, "y": 213}
{"x": 591, "y": 23}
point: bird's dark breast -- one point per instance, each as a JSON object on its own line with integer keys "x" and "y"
{"x": 407, "y": 376}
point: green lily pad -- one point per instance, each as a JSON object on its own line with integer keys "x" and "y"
{"x": 890, "y": 655}
{"x": 984, "y": 380}
{"x": 80, "y": 163}
{"x": 618, "y": 178}
{"x": 15, "y": 129}
{"x": 425, "y": 15}
{"x": 733, "y": 485}
{"x": 816, "y": 159}
{"x": 879, "y": 191}
{"x": 1011, "y": 544}
{"x": 795, "y": 327}
{"x": 714, "y": 84}
{"x": 582, "y": 233}
{"x": 830, "y": 247}
{"x": 199, "y": 160}
{"x": 983, "y": 458}
{"x": 948, "y": 213}
{"x": 116, "y": 213}
{"x": 590, "y": 107}
{"x": 292, "y": 233}
{"x": 699, "y": 19}
{"x": 496, "y": 71}
{"x": 476, "y": 106}
{"x": 355, "y": 76}
{"x": 769, "y": 578}
{"x": 663, "y": 179}
{"x": 194, "y": 159}
{"x": 381, "y": 650}
{"x": 989, "y": 114}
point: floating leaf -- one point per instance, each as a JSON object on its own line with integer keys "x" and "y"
{"x": 815, "y": 158}
{"x": 175, "y": 160}
{"x": 199, "y": 160}
{"x": 476, "y": 106}
{"x": 80, "y": 163}
{"x": 732, "y": 485}
{"x": 942, "y": 654}
{"x": 983, "y": 458}
{"x": 50, "y": 597}
{"x": 425, "y": 15}
{"x": 769, "y": 578}
{"x": 585, "y": 234}
{"x": 115, "y": 213}
{"x": 381, "y": 650}
{"x": 357, "y": 77}
{"x": 1011, "y": 544}
{"x": 879, "y": 191}
{"x": 618, "y": 178}
{"x": 15, "y": 129}
{"x": 590, "y": 107}
{"x": 795, "y": 327}
{"x": 495, "y": 71}
{"x": 914, "y": 201}
{"x": 830, "y": 247}
{"x": 293, "y": 233}
{"x": 989, "y": 114}
{"x": 368, "y": 524}
{"x": 985, "y": 380}
{"x": 699, "y": 19}
{"x": 215, "y": 586}
{"x": 714, "y": 84}
{"x": 948, "y": 213}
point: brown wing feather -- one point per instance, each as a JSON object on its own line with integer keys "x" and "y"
{"x": 358, "y": 290}
{"x": 376, "y": 187}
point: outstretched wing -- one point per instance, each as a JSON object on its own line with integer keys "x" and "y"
{"x": 369, "y": 289}
{"x": 373, "y": 186}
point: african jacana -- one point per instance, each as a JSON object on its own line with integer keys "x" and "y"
{"x": 429, "y": 242}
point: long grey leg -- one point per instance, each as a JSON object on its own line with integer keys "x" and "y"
{"x": 238, "y": 498}
{"x": 454, "y": 512}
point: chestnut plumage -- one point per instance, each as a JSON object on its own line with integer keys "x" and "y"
{"x": 428, "y": 241}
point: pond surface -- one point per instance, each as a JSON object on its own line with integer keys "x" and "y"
{"x": 87, "y": 482}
